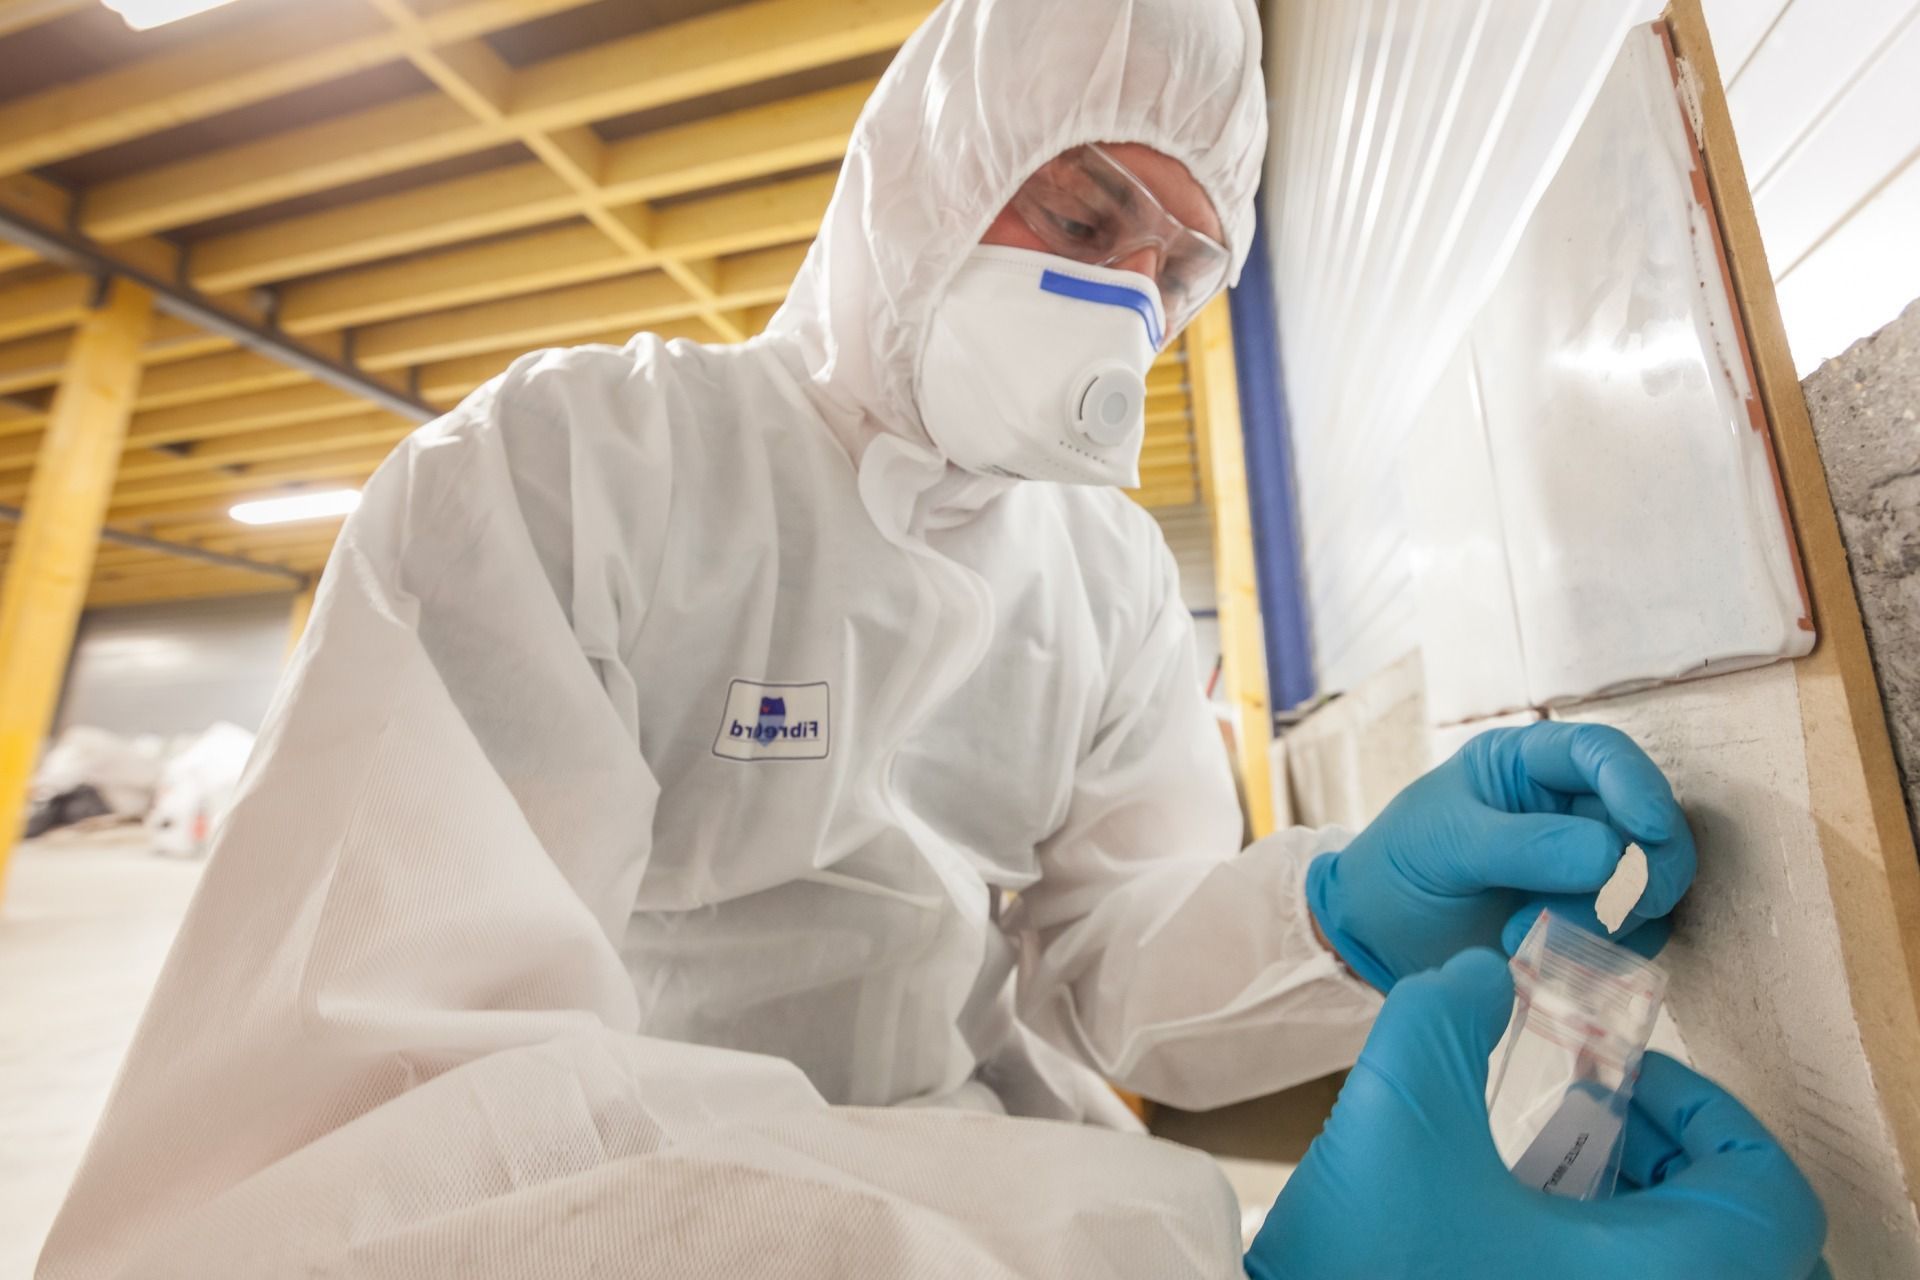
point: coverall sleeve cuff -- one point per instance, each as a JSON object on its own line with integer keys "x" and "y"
{"x": 1300, "y": 846}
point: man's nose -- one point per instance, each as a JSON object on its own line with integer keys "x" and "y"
{"x": 1145, "y": 260}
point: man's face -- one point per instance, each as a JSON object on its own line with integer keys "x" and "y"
{"x": 1166, "y": 177}
{"x": 1093, "y": 212}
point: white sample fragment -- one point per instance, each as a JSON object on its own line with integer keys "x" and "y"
{"x": 1620, "y": 895}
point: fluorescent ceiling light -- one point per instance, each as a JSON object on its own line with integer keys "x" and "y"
{"x": 143, "y": 15}
{"x": 298, "y": 506}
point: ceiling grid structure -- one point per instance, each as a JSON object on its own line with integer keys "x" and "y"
{"x": 408, "y": 195}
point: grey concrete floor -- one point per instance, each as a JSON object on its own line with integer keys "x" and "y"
{"x": 84, "y": 927}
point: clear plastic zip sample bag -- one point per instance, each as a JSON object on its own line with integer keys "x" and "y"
{"x": 1562, "y": 1077}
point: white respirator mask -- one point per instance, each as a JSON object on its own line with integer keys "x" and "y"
{"x": 1035, "y": 368}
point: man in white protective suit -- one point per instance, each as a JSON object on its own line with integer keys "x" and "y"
{"x": 732, "y": 803}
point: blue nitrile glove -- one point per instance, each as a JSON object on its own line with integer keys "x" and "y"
{"x": 1518, "y": 820}
{"x": 1404, "y": 1181}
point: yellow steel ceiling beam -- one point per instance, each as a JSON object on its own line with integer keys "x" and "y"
{"x": 265, "y": 58}
{"x": 758, "y": 318}
{"x": 10, "y": 448}
{"x": 145, "y": 489}
{"x": 37, "y": 363}
{"x": 563, "y": 315}
{"x": 380, "y": 140}
{"x": 177, "y": 339}
{"x": 779, "y": 213}
{"x": 273, "y": 445}
{"x": 42, "y": 596}
{"x": 736, "y": 146}
{"x": 112, "y": 560}
{"x": 447, "y": 278}
{"x": 39, "y": 208}
{"x": 213, "y": 377}
{"x": 297, "y": 539}
{"x": 202, "y": 584}
{"x": 194, "y": 529}
{"x": 32, "y": 363}
{"x": 772, "y": 213}
{"x": 134, "y": 494}
{"x": 260, "y": 545}
{"x": 702, "y": 55}
{"x": 473, "y": 75}
{"x": 440, "y": 213}
{"x": 20, "y": 451}
{"x": 680, "y": 61}
{"x": 150, "y": 515}
{"x": 18, "y": 15}
{"x": 236, "y": 415}
{"x": 530, "y": 321}
{"x": 239, "y": 415}
{"x": 43, "y": 306}
{"x": 303, "y": 560}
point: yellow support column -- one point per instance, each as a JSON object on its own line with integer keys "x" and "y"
{"x": 52, "y": 560}
{"x": 1243, "y": 648}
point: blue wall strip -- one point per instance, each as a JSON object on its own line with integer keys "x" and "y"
{"x": 1270, "y": 484}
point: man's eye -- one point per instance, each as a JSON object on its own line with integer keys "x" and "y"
{"x": 1072, "y": 228}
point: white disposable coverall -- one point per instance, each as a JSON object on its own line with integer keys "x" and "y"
{"x": 503, "y": 966}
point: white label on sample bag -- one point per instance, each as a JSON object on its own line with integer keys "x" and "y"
{"x": 1571, "y": 1154}
{"x": 774, "y": 722}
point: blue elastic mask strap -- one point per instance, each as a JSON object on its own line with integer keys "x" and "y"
{"x": 1108, "y": 295}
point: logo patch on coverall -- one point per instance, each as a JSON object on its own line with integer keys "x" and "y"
{"x": 773, "y": 722}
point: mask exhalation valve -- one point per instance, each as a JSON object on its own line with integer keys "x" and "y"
{"x": 1110, "y": 404}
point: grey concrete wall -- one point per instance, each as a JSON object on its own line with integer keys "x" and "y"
{"x": 175, "y": 668}
{"x": 1866, "y": 415}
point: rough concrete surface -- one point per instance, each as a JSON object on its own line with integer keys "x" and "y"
{"x": 1756, "y": 978}
{"x": 1866, "y": 416}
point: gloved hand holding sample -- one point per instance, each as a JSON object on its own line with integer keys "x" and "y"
{"x": 1405, "y": 1179}
{"x": 1517, "y": 821}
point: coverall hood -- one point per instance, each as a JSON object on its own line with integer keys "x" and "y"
{"x": 977, "y": 100}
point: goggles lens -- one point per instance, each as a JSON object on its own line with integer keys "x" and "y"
{"x": 1087, "y": 206}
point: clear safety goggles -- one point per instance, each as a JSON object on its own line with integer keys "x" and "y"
{"x": 1087, "y": 206}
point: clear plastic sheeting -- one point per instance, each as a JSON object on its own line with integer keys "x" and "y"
{"x": 1411, "y": 140}
{"x": 1590, "y": 490}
